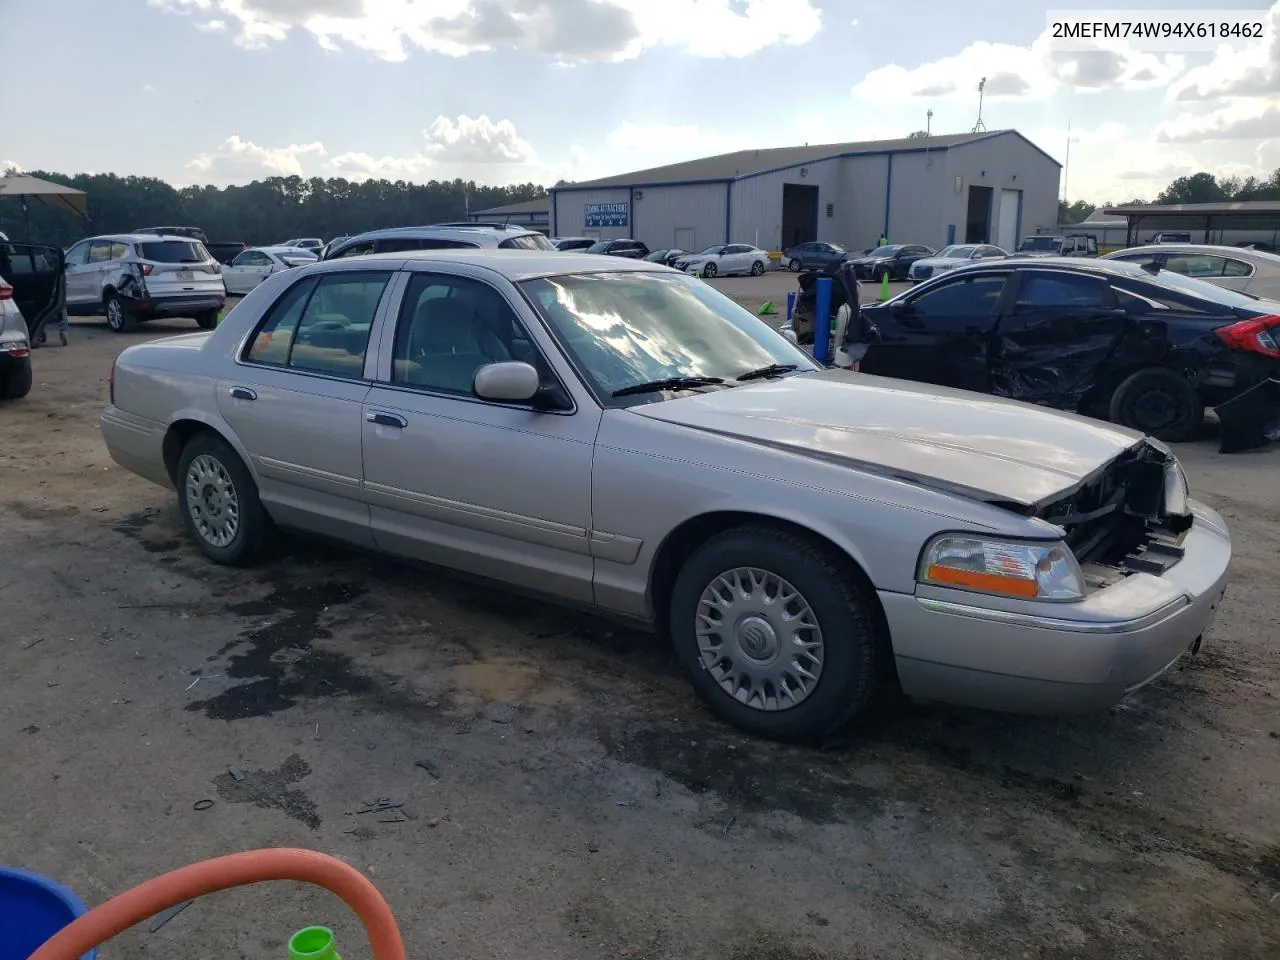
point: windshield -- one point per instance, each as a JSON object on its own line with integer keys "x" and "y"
{"x": 1041, "y": 244}
{"x": 884, "y": 251}
{"x": 600, "y": 247}
{"x": 956, "y": 253}
{"x": 622, "y": 329}
{"x": 174, "y": 251}
{"x": 710, "y": 250}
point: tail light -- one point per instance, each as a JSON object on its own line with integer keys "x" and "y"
{"x": 6, "y": 291}
{"x": 1257, "y": 335}
{"x": 146, "y": 269}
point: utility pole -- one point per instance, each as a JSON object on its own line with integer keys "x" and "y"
{"x": 978, "y": 127}
{"x": 1066, "y": 166}
{"x": 928, "y": 123}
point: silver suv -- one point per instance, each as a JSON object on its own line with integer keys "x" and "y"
{"x": 130, "y": 278}
{"x": 440, "y": 236}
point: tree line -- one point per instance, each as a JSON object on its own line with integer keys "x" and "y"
{"x": 1196, "y": 188}
{"x": 261, "y": 212}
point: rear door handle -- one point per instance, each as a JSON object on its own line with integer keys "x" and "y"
{"x": 387, "y": 419}
{"x": 243, "y": 393}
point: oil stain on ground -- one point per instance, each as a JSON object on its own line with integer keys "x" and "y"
{"x": 270, "y": 790}
{"x": 280, "y": 664}
{"x": 135, "y": 524}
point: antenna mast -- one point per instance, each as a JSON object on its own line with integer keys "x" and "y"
{"x": 979, "y": 127}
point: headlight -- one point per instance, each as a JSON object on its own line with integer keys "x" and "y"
{"x": 1027, "y": 571}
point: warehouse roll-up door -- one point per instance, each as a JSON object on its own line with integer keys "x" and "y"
{"x": 1010, "y": 202}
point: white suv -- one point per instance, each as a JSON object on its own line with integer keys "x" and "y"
{"x": 440, "y": 236}
{"x": 130, "y": 278}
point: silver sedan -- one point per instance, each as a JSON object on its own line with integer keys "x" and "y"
{"x": 620, "y": 435}
{"x": 1253, "y": 272}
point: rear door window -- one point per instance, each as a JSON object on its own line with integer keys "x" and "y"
{"x": 1040, "y": 290}
{"x": 172, "y": 251}
{"x": 99, "y": 251}
{"x": 967, "y": 297}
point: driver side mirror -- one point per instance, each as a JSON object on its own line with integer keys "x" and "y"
{"x": 514, "y": 381}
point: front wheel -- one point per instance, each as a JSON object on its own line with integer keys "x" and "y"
{"x": 1159, "y": 402}
{"x": 794, "y": 266}
{"x": 219, "y": 502}
{"x": 757, "y": 268}
{"x": 709, "y": 271}
{"x": 779, "y": 635}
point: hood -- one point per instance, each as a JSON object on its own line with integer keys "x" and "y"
{"x": 984, "y": 447}
{"x": 936, "y": 262}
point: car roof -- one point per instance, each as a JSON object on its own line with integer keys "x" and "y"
{"x": 443, "y": 229}
{"x": 516, "y": 265}
{"x": 278, "y": 248}
{"x": 1118, "y": 268}
{"x": 1208, "y": 249}
{"x": 140, "y": 237}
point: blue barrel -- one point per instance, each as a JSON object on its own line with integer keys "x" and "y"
{"x": 32, "y": 909}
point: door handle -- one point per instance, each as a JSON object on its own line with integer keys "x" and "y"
{"x": 387, "y": 419}
{"x": 242, "y": 393}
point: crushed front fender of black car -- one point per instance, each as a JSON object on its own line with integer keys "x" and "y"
{"x": 1251, "y": 419}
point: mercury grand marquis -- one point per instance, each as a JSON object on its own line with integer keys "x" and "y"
{"x": 620, "y": 435}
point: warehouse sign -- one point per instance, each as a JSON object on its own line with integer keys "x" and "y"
{"x": 608, "y": 214}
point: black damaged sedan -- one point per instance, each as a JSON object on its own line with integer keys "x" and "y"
{"x": 1146, "y": 349}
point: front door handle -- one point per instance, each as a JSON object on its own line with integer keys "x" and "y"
{"x": 242, "y": 393}
{"x": 387, "y": 419}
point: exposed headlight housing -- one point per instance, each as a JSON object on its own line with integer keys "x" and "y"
{"x": 1177, "y": 492}
{"x": 1004, "y": 568}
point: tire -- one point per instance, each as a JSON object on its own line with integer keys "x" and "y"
{"x": 207, "y": 321}
{"x": 709, "y": 271}
{"x": 209, "y": 458}
{"x": 119, "y": 319}
{"x": 794, "y": 266}
{"x": 1160, "y": 403}
{"x": 757, "y": 268}
{"x": 17, "y": 383}
{"x": 855, "y": 648}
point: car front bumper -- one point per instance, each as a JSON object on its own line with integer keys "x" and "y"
{"x": 1082, "y": 657}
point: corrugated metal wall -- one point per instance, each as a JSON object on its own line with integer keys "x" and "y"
{"x": 569, "y": 219}
{"x": 1003, "y": 163}
{"x": 865, "y": 180}
{"x": 689, "y": 217}
{"x": 757, "y": 204}
{"x": 918, "y": 181}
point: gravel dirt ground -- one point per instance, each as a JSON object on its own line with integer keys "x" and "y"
{"x": 554, "y": 789}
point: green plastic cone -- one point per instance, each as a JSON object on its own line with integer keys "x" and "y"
{"x": 767, "y": 309}
{"x": 884, "y": 286}
{"x": 313, "y": 943}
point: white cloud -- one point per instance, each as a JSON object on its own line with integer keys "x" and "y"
{"x": 1017, "y": 72}
{"x": 11, "y": 166}
{"x": 212, "y": 26}
{"x": 1245, "y": 120}
{"x": 477, "y": 140}
{"x": 237, "y": 160}
{"x": 1249, "y": 71}
{"x": 1268, "y": 154}
{"x": 565, "y": 30}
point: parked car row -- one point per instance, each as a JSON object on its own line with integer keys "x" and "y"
{"x": 715, "y": 261}
{"x": 807, "y": 537}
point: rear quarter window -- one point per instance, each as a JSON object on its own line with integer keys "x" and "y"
{"x": 530, "y": 241}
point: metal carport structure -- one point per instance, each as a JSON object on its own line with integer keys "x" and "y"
{"x": 1212, "y": 220}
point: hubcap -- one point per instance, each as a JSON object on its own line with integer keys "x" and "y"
{"x": 759, "y": 638}
{"x": 1155, "y": 409}
{"x": 212, "y": 501}
{"x": 113, "y": 314}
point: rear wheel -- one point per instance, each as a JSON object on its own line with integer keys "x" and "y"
{"x": 1160, "y": 403}
{"x": 757, "y": 268}
{"x": 777, "y": 633}
{"x": 16, "y": 384}
{"x": 207, "y": 321}
{"x": 119, "y": 319}
{"x": 219, "y": 501}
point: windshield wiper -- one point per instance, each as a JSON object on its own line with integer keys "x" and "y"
{"x": 670, "y": 383}
{"x": 772, "y": 370}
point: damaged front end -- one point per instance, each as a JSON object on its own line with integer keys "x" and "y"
{"x": 1128, "y": 517}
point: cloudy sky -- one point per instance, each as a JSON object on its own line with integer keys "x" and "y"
{"x": 511, "y": 91}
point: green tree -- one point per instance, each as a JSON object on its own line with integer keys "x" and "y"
{"x": 1076, "y": 212}
{"x": 918, "y": 135}
{"x": 264, "y": 211}
{"x": 1197, "y": 188}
